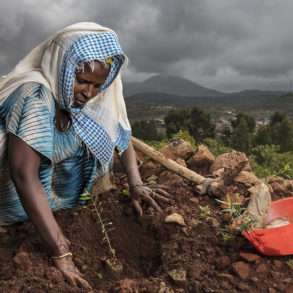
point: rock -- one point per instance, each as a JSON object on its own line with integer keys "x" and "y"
{"x": 126, "y": 286}
{"x": 164, "y": 288}
{"x": 226, "y": 276}
{"x": 202, "y": 159}
{"x": 175, "y": 218}
{"x": 272, "y": 290}
{"x": 277, "y": 264}
{"x": 194, "y": 200}
{"x": 177, "y": 148}
{"x": 232, "y": 160}
{"x": 241, "y": 269}
{"x": 223, "y": 262}
{"x": 22, "y": 261}
{"x": 280, "y": 186}
{"x": 243, "y": 287}
{"x": 170, "y": 179}
{"x": 150, "y": 168}
{"x": 289, "y": 289}
{"x": 250, "y": 257}
{"x": 178, "y": 276}
{"x": 246, "y": 178}
{"x": 262, "y": 268}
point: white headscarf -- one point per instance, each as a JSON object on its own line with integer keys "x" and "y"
{"x": 102, "y": 124}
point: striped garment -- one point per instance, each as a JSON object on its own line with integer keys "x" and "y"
{"x": 67, "y": 168}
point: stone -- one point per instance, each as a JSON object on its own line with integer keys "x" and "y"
{"x": 241, "y": 269}
{"x": 178, "y": 276}
{"x": 177, "y": 148}
{"x": 226, "y": 276}
{"x": 194, "y": 200}
{"x": 262, "y": 268}
{"x": 170, "y": 179}
{"x": 243, "y": 287}
{"x": 202, "y": 159}
{"x": 231, "y": 161}
{"x": 250, "y": 257}
{"x": 150, "y": 168}
{"x": 246, "y": 178}
{"x": 280, "y": 186}
{"x": 175, "y": 218}
{"x": 277, "y": 264}
{"x": 22, "y": 261}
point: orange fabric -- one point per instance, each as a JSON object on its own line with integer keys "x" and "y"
{"x": 279, "y": 240}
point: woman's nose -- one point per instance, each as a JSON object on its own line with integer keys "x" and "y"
{"x": 90, "y": 91}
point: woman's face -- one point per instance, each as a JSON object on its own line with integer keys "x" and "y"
{"x": 87, "y": 83}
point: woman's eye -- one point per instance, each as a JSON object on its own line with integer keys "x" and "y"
{"x": 81, "y": 81}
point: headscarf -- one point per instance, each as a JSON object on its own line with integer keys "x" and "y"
{"x": 102, "y": 124}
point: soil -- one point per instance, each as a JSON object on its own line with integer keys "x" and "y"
{"x": 156, "y": 256}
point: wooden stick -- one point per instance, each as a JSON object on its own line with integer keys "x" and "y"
{"x": 168, "y": 163}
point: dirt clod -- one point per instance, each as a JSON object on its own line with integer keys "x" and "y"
{"x": 241, "y": 269}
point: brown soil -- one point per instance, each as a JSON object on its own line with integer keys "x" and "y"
{"x": 149, "y": 250}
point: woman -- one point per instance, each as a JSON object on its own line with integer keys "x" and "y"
{"x": 62, "y": 116}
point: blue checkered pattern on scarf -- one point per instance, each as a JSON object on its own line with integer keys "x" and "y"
{"x": 93, "y": 46}
{"x": 90, "y": 47}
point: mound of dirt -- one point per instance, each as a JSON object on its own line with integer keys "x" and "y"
{"x": 198, "y": 256}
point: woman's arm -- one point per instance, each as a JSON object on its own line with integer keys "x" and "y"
{"x": 139, "y": 191}
{"x": 24, "y": 164}
{"x": 129, "y": 162}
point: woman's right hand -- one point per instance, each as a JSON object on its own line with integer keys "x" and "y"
{"x": 71, "y": 272}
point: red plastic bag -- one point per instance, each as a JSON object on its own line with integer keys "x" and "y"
{"x": 279, "y": 240}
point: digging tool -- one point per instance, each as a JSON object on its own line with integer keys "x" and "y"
{"x": 260, "y": 199}
{"x": 204, "y": 185}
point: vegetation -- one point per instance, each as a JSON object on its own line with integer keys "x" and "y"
{"x": 269, "y": 145}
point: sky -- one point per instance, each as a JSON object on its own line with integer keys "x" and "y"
{"x": 228, "y": 45}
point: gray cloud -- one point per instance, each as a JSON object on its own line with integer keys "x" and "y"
{"x": 228, "y": 45}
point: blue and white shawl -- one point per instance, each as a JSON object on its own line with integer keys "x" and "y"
{"x": 102, "y": 124}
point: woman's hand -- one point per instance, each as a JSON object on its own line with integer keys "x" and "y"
{"x": 71, "y": 272}
{"x": 150, "y": 195}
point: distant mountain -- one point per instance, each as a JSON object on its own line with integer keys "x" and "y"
{"x": 169, "y": 84}
{"x": 146, "y": 105}
{"x": 174, "y": 85}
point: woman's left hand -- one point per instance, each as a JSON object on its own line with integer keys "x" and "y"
{"x": 150, "y": 195}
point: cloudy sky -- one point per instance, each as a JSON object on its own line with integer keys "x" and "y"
{"x": 224, "y": 44}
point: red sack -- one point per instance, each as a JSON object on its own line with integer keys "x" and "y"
{"x": 279, "y": 240}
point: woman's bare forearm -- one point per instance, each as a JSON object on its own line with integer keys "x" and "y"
{"x": 24, "y": 171}
{"x": 128, "y": 159}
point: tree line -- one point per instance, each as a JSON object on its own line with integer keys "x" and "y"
{"x": 240, "y": 133}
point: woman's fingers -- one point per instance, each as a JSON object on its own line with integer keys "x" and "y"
{"x": 76, "y": 280}
{"x": 163, "y": 192}
{"x": 152, "y": 202}
{"x": 137, "y": 207}
{"x": 162, "y": 198}
{"x": 70, "y": 279}
{"x": 82, "y": 282}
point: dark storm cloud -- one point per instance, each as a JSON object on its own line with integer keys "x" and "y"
{"x": 227, "y": 44}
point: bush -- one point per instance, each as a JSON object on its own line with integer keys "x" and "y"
{"x": 267, "y": 160}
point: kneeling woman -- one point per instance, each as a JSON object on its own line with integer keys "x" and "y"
{"x": 62, "y": 115}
